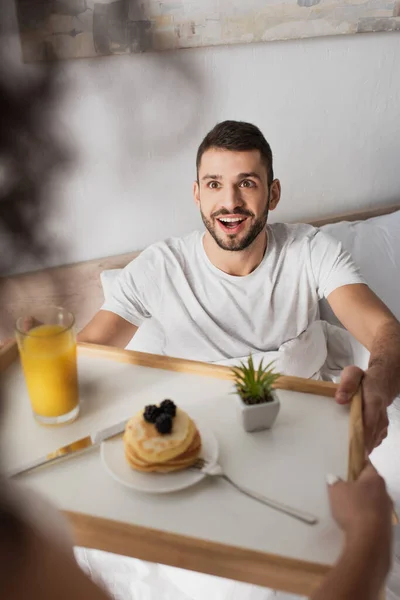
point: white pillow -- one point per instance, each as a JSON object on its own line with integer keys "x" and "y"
{"x": 149, "y": 337}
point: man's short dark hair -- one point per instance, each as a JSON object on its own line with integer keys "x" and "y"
{"x": 237, "y": 136}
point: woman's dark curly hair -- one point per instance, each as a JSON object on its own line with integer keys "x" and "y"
{"x": 28, "y": 156}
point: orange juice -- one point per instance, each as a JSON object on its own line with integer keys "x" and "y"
{"x": 48, "y": 356}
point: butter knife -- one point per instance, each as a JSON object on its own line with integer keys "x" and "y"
{"x": 72, "y": 449}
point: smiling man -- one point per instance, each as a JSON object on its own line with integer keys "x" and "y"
{"x": 245, "y": 286}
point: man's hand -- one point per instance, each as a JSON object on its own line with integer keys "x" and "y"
{"x": 375, "y": 402}
{"x": 365, "y": 316}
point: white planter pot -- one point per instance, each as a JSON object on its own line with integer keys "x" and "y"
{"x": 256, "y": 417}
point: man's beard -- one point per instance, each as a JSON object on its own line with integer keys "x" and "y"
{"x": 232, "y": 244}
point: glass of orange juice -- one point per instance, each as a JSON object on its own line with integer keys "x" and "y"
{"x": 47, "y": 345}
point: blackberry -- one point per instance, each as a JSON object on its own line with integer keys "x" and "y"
{"x": 164, "y": 423}
{"x": 151, "y": 412}
{"x": 168, "y": 407}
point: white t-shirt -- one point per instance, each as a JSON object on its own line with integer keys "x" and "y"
{"x": 205, "y": 314}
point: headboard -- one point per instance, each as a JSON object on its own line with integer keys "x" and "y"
{"x": 77, "y": 287}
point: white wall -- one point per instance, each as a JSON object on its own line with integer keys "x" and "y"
{"x": 330, "y": 107}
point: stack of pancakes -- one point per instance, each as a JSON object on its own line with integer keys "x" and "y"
{"x": 148, "y": 450}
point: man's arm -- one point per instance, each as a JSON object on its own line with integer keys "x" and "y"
{"x": 363, "y": 510}
{"x": 374, "y": 326}
{"x": 108, "y": 329}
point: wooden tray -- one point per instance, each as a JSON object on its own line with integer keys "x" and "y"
{"x": 209, "y": 528}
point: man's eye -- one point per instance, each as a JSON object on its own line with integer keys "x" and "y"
{"x": 247, "y": 183}
{"x": 213, "y": 185}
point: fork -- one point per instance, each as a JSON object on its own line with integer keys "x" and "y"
{"x": 214, "y": 470}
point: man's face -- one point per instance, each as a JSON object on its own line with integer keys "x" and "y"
{"x": 233, "y": 197}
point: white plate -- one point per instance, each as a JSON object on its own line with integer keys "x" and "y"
{"x": 113, "y": 458}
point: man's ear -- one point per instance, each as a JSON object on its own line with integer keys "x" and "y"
{"x": 196, "y": 193}
{"x": 274, "y": 194}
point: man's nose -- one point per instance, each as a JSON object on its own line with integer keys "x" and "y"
{"x": 232, "y": 198}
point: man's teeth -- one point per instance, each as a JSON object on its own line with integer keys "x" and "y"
{"x": 231, "y": 220}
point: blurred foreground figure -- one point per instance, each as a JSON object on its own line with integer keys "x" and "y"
{"x": 36, "y": 557}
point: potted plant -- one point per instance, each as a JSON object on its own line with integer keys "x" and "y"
{"x": 258, "y": 402}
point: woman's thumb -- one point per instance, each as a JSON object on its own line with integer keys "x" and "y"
{"x": 336, "y": 489}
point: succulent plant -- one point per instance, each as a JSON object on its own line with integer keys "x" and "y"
{"x": 254, "y": 386}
